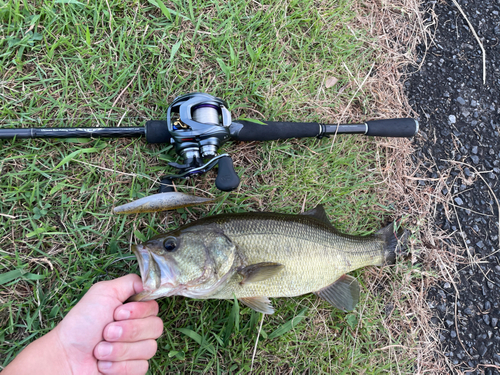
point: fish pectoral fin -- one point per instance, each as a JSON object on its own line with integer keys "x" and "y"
{"x": 139, "y": 297}
{"x": 259, "y": 271}
{"x": 343, "y": 293}
{"x": 259, "y": 304}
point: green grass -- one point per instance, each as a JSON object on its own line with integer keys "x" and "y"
{"x": 65, "y": 63}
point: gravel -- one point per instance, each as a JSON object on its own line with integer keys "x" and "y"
{"x": 460, "y": 125}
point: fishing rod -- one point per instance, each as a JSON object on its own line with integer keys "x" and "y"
{"x": 197, "y": 124}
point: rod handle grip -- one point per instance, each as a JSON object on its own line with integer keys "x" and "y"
{"x": 397, "y": 127}
{"x": 157, "y": 132}
{"x": 272, "y": 130}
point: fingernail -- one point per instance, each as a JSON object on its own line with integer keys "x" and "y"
{"x": 104, "y": 365}
{"x": 123, "y": 314}
{"x": 105, "y": 348}
{"x": 114, "y": 332}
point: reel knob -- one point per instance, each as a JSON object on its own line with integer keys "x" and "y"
{"x": 166, "y": 186}
{"x": 227, "y": 179}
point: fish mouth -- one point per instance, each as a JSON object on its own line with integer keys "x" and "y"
{"x": 155, "y": 271}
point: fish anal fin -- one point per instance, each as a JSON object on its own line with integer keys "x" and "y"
{"x": 259, "y": 304}
{"x": 319, "y": 213}
{"x": 343, "y": 293}
{"x": 259, "y": 271}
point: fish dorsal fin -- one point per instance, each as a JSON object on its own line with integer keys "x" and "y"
{"x": 319, "y": 213}
{"x": 343, "y": 293}
{"x": 259, "y": 304}
{"x": 259, "y": 271}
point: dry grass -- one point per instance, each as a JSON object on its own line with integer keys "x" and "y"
{"x": 399, "y": 28}
{"x": 435, "y": 255}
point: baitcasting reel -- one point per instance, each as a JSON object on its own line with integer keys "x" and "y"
{"x": 198, "y": 125}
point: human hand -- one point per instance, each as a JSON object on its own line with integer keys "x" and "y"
{"x": 99, "y": 335}
{"x": 102, "y": 334}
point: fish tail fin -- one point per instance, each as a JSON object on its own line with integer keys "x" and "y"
{"x": 395, "y": 242}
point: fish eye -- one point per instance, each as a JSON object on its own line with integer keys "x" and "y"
{"x": 170, "y": 244}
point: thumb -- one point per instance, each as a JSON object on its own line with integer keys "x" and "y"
{"x": 123, "y": 287}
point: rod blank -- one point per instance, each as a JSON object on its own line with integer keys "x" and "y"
{"x": 123, "y": 132}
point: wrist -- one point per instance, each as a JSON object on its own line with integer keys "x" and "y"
{"x": 43, "y": 356}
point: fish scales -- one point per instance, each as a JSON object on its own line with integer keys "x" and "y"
{"x": 314, "y": 253}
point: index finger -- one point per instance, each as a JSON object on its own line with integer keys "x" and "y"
{"x": 136, "y": 310}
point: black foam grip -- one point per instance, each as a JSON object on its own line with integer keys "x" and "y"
{"x": 397, "y": 127}
{"x": 227, "y": 179}
{"x": 251, "y": 131}
{"x": 157, "y": 132}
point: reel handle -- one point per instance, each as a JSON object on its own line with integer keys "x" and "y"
{"x": 227, "y": 179}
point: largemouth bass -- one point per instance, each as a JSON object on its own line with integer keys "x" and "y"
{"x": 254, "y": 256}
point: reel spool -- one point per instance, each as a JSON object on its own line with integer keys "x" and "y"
{"x": 206, "y": 114}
